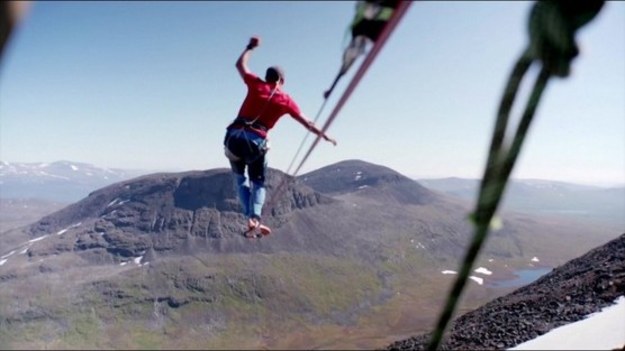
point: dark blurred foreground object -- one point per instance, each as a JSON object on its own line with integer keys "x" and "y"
{"x": 11, "y": 12}
{"x": 552, "y": 28}
{"x": 369, "y": 22}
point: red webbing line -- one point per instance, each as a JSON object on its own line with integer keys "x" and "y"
{"x": 402, "y": 8}
{"x": 377, "y": 46}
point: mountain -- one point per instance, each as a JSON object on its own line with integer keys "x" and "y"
{"x": 61, "y": 181}
{"x": 159, "y": 261}
{"x": 568, "y": 294}
{"x": 355, "y": 176}
{"x": 544, "y": 197}
{"x": 169, "y": 212}
{"x": 468, "y": 188}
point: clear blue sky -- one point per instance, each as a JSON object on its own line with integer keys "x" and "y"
{"x": 152, "y": 85}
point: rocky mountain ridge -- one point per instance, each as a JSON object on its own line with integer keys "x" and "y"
{"x": 161, "y": 212}
{"x": 199, "y": 210}
{"x": 567, "y": 294}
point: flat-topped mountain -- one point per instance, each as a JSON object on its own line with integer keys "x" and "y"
{"x": 166, "y": 212}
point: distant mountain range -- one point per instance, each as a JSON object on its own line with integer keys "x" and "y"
{"x": 68, "y": 182}
{"x": 61, "y": 181}
{"x": 545, "y": 197}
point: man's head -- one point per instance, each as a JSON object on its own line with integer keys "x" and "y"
{"x": 274, "y": 74}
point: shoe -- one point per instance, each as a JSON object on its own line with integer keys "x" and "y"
{"x": 264, "y": 230}
{"x": 252, "y": 224}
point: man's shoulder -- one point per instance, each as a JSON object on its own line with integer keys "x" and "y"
{"x": 289, "y": 101}
{"x": 285, "y": 96}
{"x": 250, "y": 77}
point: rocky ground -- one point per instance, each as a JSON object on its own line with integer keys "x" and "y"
{"x": 569, "y": 293}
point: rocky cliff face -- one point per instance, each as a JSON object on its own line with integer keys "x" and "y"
{"x": 569, "y": 293}
{"x": 161, "y": 212}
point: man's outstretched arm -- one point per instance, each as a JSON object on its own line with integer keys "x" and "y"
{"x": 308, "y": 124}
{"x": 245, "y": 56}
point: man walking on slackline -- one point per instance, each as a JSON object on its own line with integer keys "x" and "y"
{"x": 246, "y": 137}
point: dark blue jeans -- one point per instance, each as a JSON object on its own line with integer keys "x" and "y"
{"x": 249, "y": 151}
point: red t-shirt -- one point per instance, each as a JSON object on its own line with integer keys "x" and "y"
{"x": 256, "y": 102}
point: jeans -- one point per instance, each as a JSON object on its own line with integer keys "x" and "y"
{"x": 250, "y": 149}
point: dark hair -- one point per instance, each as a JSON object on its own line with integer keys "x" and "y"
{"x": 274, "y": 74}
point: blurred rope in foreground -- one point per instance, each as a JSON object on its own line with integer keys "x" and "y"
{"x": 552, "y": 27}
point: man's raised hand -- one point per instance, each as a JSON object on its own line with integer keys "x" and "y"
{"x": 254, "y": 42}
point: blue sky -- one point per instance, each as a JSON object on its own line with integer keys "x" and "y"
{"x": 152, "y": 85}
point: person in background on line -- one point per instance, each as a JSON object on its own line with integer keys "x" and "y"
{"x": 246, "y": 142}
